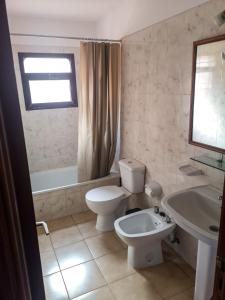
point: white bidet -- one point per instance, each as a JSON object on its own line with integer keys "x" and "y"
{"x": 143, "y": 232}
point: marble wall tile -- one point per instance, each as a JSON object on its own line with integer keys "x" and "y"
{"x": 156, "y": 88}
{"x": 49, "y": 205}
{"x": 51, "y": 135}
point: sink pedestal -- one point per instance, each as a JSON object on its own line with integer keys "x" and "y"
{"x": 205, "y": 271}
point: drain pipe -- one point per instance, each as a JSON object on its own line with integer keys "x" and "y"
{"x": 173, "y": 239}
{"x": 45, "y": 226}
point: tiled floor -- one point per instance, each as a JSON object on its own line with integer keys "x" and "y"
{"x": 80, "y": 263}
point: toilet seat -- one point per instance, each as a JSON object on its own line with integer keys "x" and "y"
{"x": 105, "y": 194}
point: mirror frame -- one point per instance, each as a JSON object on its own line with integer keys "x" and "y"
{"x": 195, "y": 47}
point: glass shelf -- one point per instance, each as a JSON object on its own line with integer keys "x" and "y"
{"x": 211, "y": 162}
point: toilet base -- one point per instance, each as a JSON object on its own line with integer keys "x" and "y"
{"x": 105, "y": 223}
{"x": 145, "y": 255}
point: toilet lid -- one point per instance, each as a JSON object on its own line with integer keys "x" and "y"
{"x": 105, "y": 193}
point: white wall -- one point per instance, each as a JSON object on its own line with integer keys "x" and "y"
{"x": 134, "y": 15}
{"x": 41, "y": 26}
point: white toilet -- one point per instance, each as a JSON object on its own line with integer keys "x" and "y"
{"x": 110, "y": 202}
{"x": 143, "y": 232}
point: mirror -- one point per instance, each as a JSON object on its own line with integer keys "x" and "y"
{"x": 207, "y": 116}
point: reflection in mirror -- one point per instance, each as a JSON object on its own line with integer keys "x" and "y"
{"x": 207, "y": 127}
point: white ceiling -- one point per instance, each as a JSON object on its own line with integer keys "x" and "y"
{"x": 78, "y": 10}
{"x": 93, "y": 18}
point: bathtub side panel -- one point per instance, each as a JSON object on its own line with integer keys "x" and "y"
{"x": 67, "y": 201}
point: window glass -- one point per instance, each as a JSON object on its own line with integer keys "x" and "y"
{"x": 49, "y": 91}
{"x": 46, "y": 65}
{"x": 49, "y": 80}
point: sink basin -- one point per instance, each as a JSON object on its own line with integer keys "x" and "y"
{"x": 197, "y": 211}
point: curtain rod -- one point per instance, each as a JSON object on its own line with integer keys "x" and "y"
{"x": 65, "y": 37}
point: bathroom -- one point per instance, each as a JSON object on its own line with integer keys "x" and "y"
{"x": 78, "y": 260}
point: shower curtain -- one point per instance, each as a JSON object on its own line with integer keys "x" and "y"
{"x": 99, "y": 103}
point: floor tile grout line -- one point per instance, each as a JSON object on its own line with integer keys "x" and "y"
{"x": 136, "y": 272}
{"x": 118, "y": 279}
{"x": 107, "y": 253}
{"x": 60, "y": 269}
{"x": 180, "y": 293}
{"x": 165, "y": 298}
{"x": 189, "y": 277}
{"x": 94, "y": 259}
{"x": 92, "y": 290}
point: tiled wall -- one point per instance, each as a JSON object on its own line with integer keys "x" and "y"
{"x": 156, "y": 87}
{"x": 51, "y": 135}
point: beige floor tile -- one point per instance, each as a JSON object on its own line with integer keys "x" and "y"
{"x": 187, "y": 295}
{"x": 49, "y": 263}
{"x": 103, "y": 244}
{"x": 55, "y": 288}
{"x": 40, "y": 230}
{"x": 103, "y": 293}
{"x": 84, "y": 217}
{"x": 88, "y": 229}
{"x": 114, "y": 266}
{"x": 170, "y": 255}
{"x": 82, "y": 279}
{"x": 134, "y": 287}
{"x": 168, "y": 279}
{"x": 74, "y": 254}
{"x": 60, "y": 223}
{"x": 187, "y": 269}
{"x": 44, "y": 243}
{"x": 65, "y": 237}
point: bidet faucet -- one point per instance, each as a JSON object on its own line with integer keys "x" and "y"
{"x": 168, "y": 219}
{"x": 220, "y": 198}
{"x": 156, "y": 209}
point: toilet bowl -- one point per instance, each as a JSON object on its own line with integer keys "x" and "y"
{"x": 110, "y": 202}
{"x": 143, "y": 232}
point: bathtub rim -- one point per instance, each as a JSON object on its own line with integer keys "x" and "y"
{"x": 77, "y": 184}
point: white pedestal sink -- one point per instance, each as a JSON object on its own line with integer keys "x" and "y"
{"x": 197, "y": 211}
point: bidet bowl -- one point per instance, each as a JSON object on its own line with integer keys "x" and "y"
{"x": 142, "y": 232}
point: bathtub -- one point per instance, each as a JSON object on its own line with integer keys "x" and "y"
{"x": 56, "y": 192}
{"x": 53, "y": 179}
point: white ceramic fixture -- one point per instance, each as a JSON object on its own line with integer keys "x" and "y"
{"x": 143, "y": 232}
{"x": 109, "y": 202}
{"x": 197, "y": 211}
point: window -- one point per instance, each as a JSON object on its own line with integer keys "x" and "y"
{"x": 49, "y": 80}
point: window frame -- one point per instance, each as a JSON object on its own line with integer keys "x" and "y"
{"x": 25, "y": 77}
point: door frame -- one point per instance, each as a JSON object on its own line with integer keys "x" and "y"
{"x": 20, "y": 258}
{"x": 20, "y": 270}
{"x": 219, "y": 282}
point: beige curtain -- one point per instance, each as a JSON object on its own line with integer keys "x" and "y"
{"x": 99, "y": 102}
